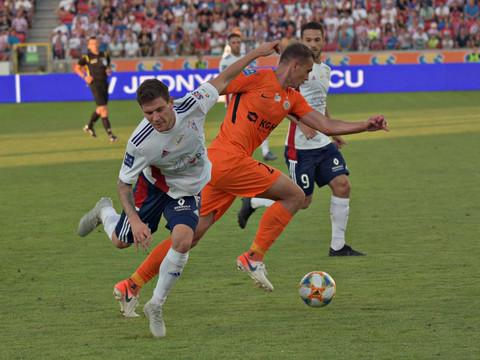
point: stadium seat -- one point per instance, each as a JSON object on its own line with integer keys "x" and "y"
{"x": 21, "y": 36}
{"x": 67, "y": 18}
{"x": 330, "y": 47}
{"x": 138, "y": 15}
{"x": 83, "y": 6}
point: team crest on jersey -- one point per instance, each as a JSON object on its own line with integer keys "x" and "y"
{"x": 104, "y": 62}
{"x": 286, "y": 105}
{"x": 179, "y": 140}
{"x": 128, "y": 160}
{"x": 192, "y": 125}
{"x": 165, "y": 153}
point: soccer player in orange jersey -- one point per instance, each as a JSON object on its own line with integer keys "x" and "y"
{"x": 262, "y": 98}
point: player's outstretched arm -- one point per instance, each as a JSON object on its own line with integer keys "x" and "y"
{"x": 330, "y": 127}
{"x": 226, "y": 76}
{"x": 140, "y": 230}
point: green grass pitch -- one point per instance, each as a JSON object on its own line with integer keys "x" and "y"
{"x": 414, "y": 210}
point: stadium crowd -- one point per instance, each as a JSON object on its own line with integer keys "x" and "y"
{"x": 143, "y": 28}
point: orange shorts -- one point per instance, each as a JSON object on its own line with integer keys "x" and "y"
{"x": 232, "y": 176}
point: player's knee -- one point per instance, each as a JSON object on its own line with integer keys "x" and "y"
{"x": 298, "y": 197}
{"x": 307, "y": 202}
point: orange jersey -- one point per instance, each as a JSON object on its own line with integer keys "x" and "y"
{"x": 258, "y": 105}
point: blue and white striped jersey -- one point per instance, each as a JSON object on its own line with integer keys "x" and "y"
{"x": 176, "y": 160}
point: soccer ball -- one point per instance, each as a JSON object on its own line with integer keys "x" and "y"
{"x": 317, "y": 289}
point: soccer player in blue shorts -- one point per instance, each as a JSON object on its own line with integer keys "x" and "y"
{"x": 311, "y": 156}
{"x": 167, "y": 158}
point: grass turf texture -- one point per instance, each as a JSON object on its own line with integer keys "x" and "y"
{"x": 414, "y": 210}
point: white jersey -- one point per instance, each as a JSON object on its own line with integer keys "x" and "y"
{"x": 176, "y": 160}
{"x": 227, "y": 61}
{"x": 315, "y": 91}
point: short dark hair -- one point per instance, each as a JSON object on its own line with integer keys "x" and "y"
{"x": 150, "y": 90}
{"x": 298, "y": 52}
{"x": 312, "y": 25}
{"x": 92, "y": 38}
{"x": 232, "y": 35}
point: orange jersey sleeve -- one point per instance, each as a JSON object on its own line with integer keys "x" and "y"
{"x": 258, "y": 105}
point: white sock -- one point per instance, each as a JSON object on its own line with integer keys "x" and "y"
{"x": 339, "y": 209}
{"x": 260, "y": 202}
{"x": 109, "y": 220}
{"x": 170, "y": 270}
{"x": 265, "y": 148}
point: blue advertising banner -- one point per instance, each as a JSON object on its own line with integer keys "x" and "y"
{"x": 344, "y": 79}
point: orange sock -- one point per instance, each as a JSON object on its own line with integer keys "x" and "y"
{"x": 151, "y": 265}
{"x": 273, "y": 221}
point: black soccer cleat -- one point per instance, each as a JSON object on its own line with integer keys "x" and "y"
{"x": 345, "y": 251}
{"x": 245, "y": 211}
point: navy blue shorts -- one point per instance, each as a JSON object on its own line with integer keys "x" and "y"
{"x": 318, "y": 166}
{"x": 151, "y": 203}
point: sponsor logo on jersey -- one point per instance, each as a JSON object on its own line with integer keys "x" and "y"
{"x": 248, "y": 72}
{"x": 268, "y": 125}
{"x": 197, "y": 94}
{"x": 192, "y": 125}
{"x": 179, "y": 140}
{"x": 277, "y": 97}
{"x": 165, "y": 153}
{"x": 252, "y": 117}
{"x": 128, "y": 160}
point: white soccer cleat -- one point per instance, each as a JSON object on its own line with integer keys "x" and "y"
{"x": 128, "y": 302}
{"x": 91, "y": 220}
{"x": 154, "y": 314}
{"x": 256, "y": 270}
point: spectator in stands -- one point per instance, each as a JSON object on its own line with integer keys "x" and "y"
{"x": 433, "y": 42}
{"x": 27, "y": 7}
{"x": 173, "y": 45}
{"x": 216, "y": 44}
{"x": 129, "y": 32}
{"x": 376, "y": 44}
{"x": 60, "y": 27}
{"x": 5, "y": 23}
{"x": 159, "y": 46}
{"x": 471, "y": 11}
{"x": 201, "y": 44}
{"x": 219, "y": 25}
{"x": 4, "y": 51}
{"x": 345, "y": 40}
{"x": 12, "y": 40}
{"x": 390, "y": 41}
{"x": 65, "y": 7}
{"x": 404, "y": 39}
{"x": 149, "y": 11}
{"x": 359, "y": 13}
{"x": 420, "y": 39}
{"x": 476, "y": 40}
{"x": 58, "y": 48}
{"x": 447, "y": 41}
{"x": 145, "y": 46}
{"x": 131, "y": 46}
{"x": 427, "y": 14}
{"x": 463, "y": 38}
{"x": 363, "y": 42}
{"x": 93, "y": 9}
{"x": 442, "y": 10}
{"x": 63, "y": 38}
{"x": 116, "y": 47}
{"x": 190, "y": 25}
{"x": 20, "y": 24}
{"x": 389, "y": 12}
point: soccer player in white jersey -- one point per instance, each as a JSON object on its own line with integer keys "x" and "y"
{"x": 311, "y": 156}
{"x": 167, "y": 158}
{"x": 234, "y": 41}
